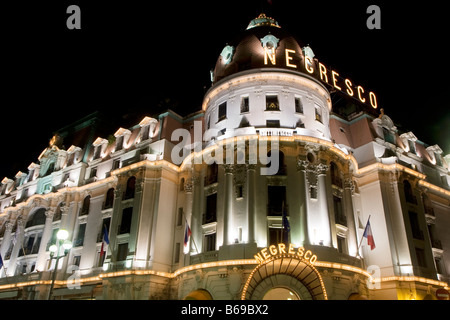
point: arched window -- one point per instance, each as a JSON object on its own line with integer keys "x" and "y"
{"x": 109, "y": 201}
{"x": 131, "y": 186}
{"x": 182, "y": 184}
{"x": 409, "y": 195}
{"x": 86, "y": 205}
{"x": 37, "y": 219}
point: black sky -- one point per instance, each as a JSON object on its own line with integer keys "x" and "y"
{"x": 131, "y": 55}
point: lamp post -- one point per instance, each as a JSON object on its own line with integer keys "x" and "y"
{"x": 55, "y": 253}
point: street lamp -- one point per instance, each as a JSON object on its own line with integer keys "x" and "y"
{"x": 55, "y": 253}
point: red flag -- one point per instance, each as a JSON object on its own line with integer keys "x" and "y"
{"x": 368, "y": 234}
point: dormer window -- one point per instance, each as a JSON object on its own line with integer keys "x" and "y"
{"x": 120, "y": 135}
{"x": 100, "y": 146}
{"x": 412, "y": 146}
{"x": 318, "y": 114}
{"x": 298, "y": 105}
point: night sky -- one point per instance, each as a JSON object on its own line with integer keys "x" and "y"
{"x": 145, "y": 56}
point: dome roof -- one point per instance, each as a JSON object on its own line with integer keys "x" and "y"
{"x": 262, "y": 45}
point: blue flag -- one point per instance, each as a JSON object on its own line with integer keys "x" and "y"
{"x": 105, "y": 234}
{"x": 286, "y": 226}
{"x": 1, "y": 262}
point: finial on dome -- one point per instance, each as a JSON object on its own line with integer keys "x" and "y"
{"x": 263, "y": 20}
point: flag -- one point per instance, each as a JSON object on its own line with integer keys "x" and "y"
{"x": 1, "y": 262}
{"x": 286, "y": 226}
{"x": 187, "y": 234}
{"x": 368, "y": 234}
{"x": 105, "y": 240}
{"x": 105, "y": 234}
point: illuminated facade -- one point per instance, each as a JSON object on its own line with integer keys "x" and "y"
{"x": 294, "y": 233}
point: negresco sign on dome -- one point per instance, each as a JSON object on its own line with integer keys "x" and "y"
{"x": 265, "y": 45}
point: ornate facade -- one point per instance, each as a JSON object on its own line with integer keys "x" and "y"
{"x": 271, "y": 202}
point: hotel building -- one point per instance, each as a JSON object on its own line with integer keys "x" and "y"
{"x": 149, "y": 217}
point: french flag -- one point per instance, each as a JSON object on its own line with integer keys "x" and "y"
{"x": 368, "y": 234}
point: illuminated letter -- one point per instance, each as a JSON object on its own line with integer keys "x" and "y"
{"x": 291, "y": 249}
{"x": 300, "y": 252}
{"x": 289, "y": 58}
{"x": 273, "y": 250}
{"x": 373, "y": 100}
{"x": 271, "y": 54}
{"x": 307, "y": 255}
{"x": 349, "y": 87}
{"x": 334, "y": 75}
{"x": 258, "y": 258}
{"x": 313, "y": 259}
{"x": 264, "y": 253}
{"x": 307, "y": 67}
{"x": 281, "y": 247}
{"x": 361, "y": 90}
{"x": 323, "y": 72}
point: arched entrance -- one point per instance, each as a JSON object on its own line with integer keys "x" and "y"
{"x": 200, "y": 294}
{"x": 284, "y": 276}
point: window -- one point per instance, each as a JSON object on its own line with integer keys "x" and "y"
{"x": 298, "y": 105}
{"x": 339, "y": 215}
{"x": 122, "y": 251}
{"x": 275, "y": 236}
{"x": 79, "y": 240}
{"x": 77, "y": 260}
{"x": 211, "y": 209}
{"x": 272, "y": 123}
{"x": 272, "y": 103}
{"x": 245, "y": 104}
{"x": 318, "y": 114}
{"x": 437, "y": 156}
{"x": 145, "y": 133}
{"x": 211, "y": 174}
{"x": 412, "y": 146}
{"x": 334, "y": 172}
{"x": 119, "y": 143}
{"x": 182, "y": 184}
{"x": 177, "y": 253}
{"x": 421, "y": 261}
{"x": 109, "y": 200}
{"x": 239, "y": 191}
{"x": 97, "y": 152}
{"x": 222, "y": 111}
{"x": 415, "y": 227}
{"x": 116, "y": 164}
{"x": 86, "y": 205}
{"x": 131, "y": 186}
{"x": 93, "y": 173}
{"x": 125, "y": 223}
{"x": 180, "y": 217}
{"x": 341, "y": 244}
{"x": 210, "y": 242}
{"x": 105, "y": 224}
{"x": 313, "y": 192}
{"x": 37, "y": 219}
{"x": 409, "y": 195}
{"x": 276, "y": 200}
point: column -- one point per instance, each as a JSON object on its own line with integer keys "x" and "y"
{"x": 228, "y": 203}
{"x": 324, "y": 232}
{"x": 251, "y": 201}
{"x": 303, "y": 232}
{"x": 352, "y": 239}
{"x": 46, "y": 234}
